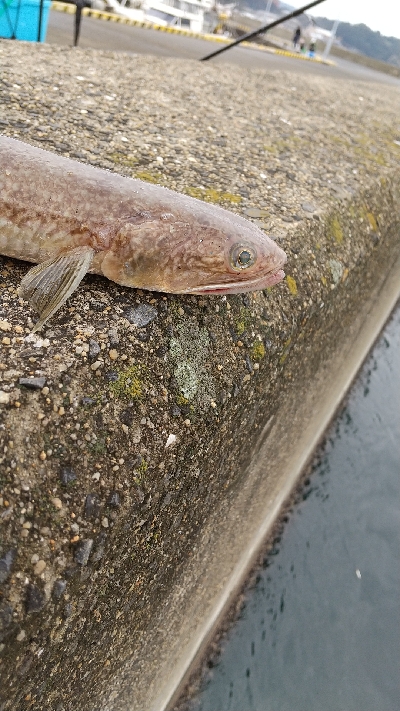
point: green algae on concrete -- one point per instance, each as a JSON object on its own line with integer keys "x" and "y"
{"x": 336, "y": 230}
{"x": 128, "y": 384}
{"x": 213, "y": 195}
{"x": 258, "y": 351}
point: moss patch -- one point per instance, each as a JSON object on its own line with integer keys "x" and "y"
{"x": 140, "y": 473}
{"x": 244, "y": 322}
{"x": 129, "y": 384}
{"x": 372, "y": 221}
{"x": 212, "y": 195}
{"x": 121, "y": 159}
{"x": 292, "y": 286}
{"x": 335, "y": 230}
{"x": 258, "y": 351}
{"x": 149, "y": 177}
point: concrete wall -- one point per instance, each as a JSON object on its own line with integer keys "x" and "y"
{"x": 115, "y": 546}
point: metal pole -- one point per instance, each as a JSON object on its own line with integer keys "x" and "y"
{"x": 250, "y": 35}
{"x": 40, "y": 20}
{"x": 80, "y": 4}
{"x": 330, "y": 40}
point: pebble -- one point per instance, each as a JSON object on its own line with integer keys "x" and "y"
{"x": 57, "y": 503}
{"x": 136, "y": 436}
{"x": 308, "y": 207}
{"x": 35, "y": 599}
{"x": 59, "y": 588}
{"x": 141, "y": 315}
{"x": 4, "y": 398}
{"x": 113, "y": 354}
{"x": 113, "y": 336}
{"x": 249, "y": 364}
{"x": 66, "y": 475}
{"x": 88, "y": 401}
{"x": 127, "y": 417}
{"x": 170, "y": 440}
{"x": 67, "y": 612}
{"x": 112, "y": 376}
{"x": 94, "y": 348}
{"x": 82, "y": 551}
{"x": 33, "y": 383}
{"x": 92, "y": 506}
{"x": 96, "y": 365}
{"x": 6, "y": 564}
{"x": 39, "y": 567}
{"x": 256, "y": 212}
{"x": 114, "y": 500}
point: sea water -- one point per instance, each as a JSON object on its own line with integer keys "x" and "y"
{"x": 320, "y": 630}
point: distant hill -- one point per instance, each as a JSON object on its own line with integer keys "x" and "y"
{"x": 357, "y": 37}
{"x": 366, "y": 41}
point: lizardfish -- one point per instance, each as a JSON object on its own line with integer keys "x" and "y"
{"x": 70, "y": 218}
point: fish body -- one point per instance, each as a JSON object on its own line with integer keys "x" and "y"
{"x": 71, "y": 218}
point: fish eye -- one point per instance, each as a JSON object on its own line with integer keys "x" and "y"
{"x": 242, "y": 256}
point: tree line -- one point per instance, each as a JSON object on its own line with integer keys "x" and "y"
{"x": 366, "y": 41}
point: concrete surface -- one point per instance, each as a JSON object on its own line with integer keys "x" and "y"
{"x": 114, "y": 548}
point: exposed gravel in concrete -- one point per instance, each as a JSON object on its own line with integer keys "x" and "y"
{"x": 130, "y": 415}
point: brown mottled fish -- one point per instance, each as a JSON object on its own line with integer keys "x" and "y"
{"x": 70, "y": 218}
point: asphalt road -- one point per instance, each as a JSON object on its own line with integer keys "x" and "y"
{"x": 100, "y": 34}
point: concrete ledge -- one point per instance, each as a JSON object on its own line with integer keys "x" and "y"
{"x": 119, "y": 553}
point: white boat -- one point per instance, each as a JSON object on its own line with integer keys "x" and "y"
{"x": 193, "y": 15}
{"x": 187, "y": 14}
{"x": 122, "y": 8}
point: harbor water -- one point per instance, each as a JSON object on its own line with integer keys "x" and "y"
{"x": 320, "y": 630}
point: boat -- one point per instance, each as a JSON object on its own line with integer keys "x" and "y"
{"x": 194, "y": 15}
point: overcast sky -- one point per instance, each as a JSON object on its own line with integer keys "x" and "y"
{"x": 382, "y": 15}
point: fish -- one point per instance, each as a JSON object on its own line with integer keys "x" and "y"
{"x": 71, "y": 218}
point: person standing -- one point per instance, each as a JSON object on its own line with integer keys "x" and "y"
{"x": 296, "y": 38}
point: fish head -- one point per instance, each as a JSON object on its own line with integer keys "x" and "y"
{"x": 209, "y": 251}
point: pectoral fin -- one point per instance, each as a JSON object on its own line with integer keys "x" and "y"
{"x": 48, "y": 285}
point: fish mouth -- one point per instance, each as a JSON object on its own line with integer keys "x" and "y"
{"x": 236, "y": 287}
